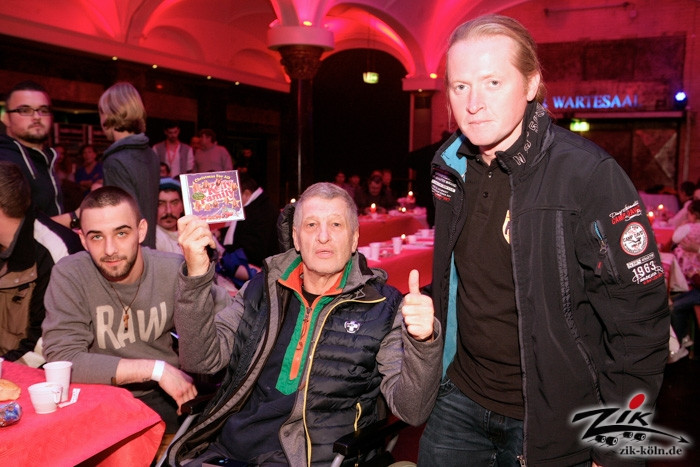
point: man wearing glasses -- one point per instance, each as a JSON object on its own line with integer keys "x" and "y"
{"x": 27, "y": 117}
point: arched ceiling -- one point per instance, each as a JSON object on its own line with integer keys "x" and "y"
{"x": 231, "y": 40}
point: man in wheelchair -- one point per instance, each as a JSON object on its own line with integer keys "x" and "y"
{"x": 309, "y": 344}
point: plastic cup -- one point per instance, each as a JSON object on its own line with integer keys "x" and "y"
{"x": 374, "y": 249}
{"x": 397, "y": 242}
{"x": 45, "y": 397}
{"x": 59, "y": 373}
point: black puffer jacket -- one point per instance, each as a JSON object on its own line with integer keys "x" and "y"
{"x": 359, "y": 347}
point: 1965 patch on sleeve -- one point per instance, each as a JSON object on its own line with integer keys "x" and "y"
{"x": 634, "y": 239}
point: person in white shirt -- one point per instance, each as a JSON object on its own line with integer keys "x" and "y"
{"x": 172, "y": 151}
{"x": 686, "y": 195}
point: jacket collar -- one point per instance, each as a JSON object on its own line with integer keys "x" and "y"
{"x": 529, "y": 148}
{"x": 356, "y": 275}
{"x": 526, "y": 151}
{"x": 136, "y": 141}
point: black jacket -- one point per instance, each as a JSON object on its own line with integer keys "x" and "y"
{"x": 592, "y": 308}
{"x": 39, "y": 244}
{"x": 37, "y": 167}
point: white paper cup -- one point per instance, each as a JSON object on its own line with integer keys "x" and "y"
{"x": 59, "y": 373}
{"x": 412, "y": 239}
{"x": 1, "y": 360}
{"x": 364, "y": 250}
{"x": 45, "y": 397}
{"x": 397, "y": 242}
{"x": 374, "y": 249}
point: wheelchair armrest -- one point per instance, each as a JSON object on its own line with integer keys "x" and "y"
{"x": 196, "y": 405}
{"x": 371, "y": 437}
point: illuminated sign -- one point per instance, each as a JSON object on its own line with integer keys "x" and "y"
{"x": 370, "y": 77}
{"x": 579, "y": 125}
{"x": 596, "y": 101}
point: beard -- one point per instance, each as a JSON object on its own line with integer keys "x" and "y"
{"x": 36, "y": 134}
{"x": 112, "y": 274}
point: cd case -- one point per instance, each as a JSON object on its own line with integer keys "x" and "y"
{"x": 213, "y": 196}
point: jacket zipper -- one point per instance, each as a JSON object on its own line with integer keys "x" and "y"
{"x": 299, "y": 351}
{"x": 358, "y": 415}
{"x": 604, "y": 254}
{"x": 312, "y": 352}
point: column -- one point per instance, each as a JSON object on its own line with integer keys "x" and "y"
{"x": 421, "y": 118}
{"x": 301, "y": 63}
{"x": 422, "y": 90}
{"x": 301, "y": 48}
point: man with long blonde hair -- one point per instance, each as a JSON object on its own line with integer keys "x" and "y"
{"x": 546, "y": 276}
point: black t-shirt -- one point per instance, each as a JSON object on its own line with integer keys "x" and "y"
{"x": 487, "y": 363}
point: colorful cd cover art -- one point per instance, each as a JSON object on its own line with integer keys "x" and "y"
{"x": 213, "y": 196}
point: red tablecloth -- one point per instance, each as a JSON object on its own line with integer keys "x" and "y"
{"x": 399, "y": 266}
{"x": 384, "y": 226}
{"x": 663, "y": 237}
{"x": 107, "y": 427}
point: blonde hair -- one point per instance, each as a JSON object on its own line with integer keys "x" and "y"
{"x": 525, "y": 59}
{"x": 123, "y": 108}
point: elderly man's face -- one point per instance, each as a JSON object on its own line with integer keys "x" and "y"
{"x": 169, "y": 209}
{"x": 324, "y": 237}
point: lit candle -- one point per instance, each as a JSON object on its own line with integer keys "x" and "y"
{"x": 373, "y": 208}
{"x": 410, "y": 194}
{"x": 403, "y": 238}
{"x": 403, "y": 208}
{"x": 661, "y": 207}
{"x": 651, "y": 216}
{"x": 293, "y": 200}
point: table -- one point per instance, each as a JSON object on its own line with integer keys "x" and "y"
{"x": 399, "y": 266}
{"x": 675, "y": 279}
{"x": 106, "y": 427}
{"x": 663, "y": 236}
{"x": 652, "y": 200}
{"x": 384, "y": 226}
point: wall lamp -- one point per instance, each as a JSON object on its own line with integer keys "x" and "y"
{"x": 680, "y": 100}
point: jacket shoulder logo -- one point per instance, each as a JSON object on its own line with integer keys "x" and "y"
{"x": 634, "y": 239}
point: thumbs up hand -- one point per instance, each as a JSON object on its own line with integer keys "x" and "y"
{"x": 417, "y": 310}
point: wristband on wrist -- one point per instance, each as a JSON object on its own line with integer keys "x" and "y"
{"x": 158, "y": 370}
